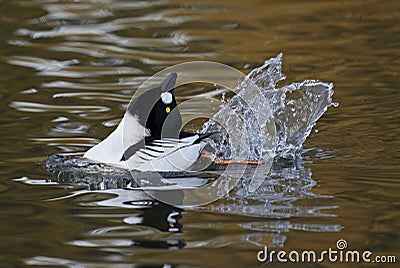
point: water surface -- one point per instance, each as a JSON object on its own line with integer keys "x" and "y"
{"x": 68, "y": 69}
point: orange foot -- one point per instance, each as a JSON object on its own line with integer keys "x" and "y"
{"x": 242, "y": 162}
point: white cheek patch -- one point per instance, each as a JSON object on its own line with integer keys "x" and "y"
{"x": 166, "y": 97}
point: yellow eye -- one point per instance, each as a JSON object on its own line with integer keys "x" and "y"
{"x": 168, "y": 110}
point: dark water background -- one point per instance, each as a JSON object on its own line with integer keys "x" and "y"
{"x": 68, "y": 68}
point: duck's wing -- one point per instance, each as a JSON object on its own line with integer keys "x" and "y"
{"x": 152, "y": 148}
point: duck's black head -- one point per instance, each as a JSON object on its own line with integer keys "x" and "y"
{"x": 154, "y": 106}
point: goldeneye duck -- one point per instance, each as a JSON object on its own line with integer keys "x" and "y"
{"x": 148, "y": 138}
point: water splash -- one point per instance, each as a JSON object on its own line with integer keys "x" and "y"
{"x": 295, "y": 109}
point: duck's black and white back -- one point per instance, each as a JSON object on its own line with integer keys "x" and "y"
{"x": 148, "y": 138}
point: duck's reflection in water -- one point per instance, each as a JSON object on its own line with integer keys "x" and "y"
{"x": 161, "y": 216}
{"x": 269, "y": 212}
{"x": 150, "y": 223}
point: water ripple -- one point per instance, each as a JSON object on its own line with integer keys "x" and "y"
{"x": 94, "y": 96}
{"x": 41, "y": 64}
{"x": 102, "y": 51}
{"x": 48, "y": 67}
{"x": 33, "y": 107}
{"x": 120, "y": 85}
{"x": 86, "y": 142}
{"x": 72, "y": 128}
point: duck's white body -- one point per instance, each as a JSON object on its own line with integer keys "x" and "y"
{"x": 128, "y": 147}
{"x": 110, "y": 150}
{"x": 172, "y": 155}
{"x": 178, "y": 155}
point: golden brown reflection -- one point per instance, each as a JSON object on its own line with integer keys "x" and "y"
{"x": 92, "y": 55}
